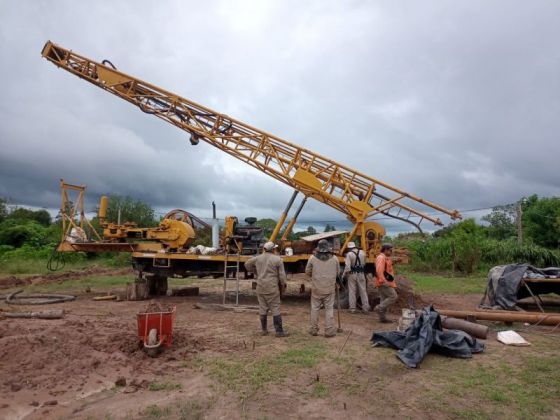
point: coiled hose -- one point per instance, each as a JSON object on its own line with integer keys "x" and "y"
{"x": 41, "y": 298}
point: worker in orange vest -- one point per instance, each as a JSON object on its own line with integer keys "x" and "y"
{"x": 385, "y": 282}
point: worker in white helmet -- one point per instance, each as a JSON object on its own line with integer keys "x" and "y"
{"x": 355, "y": 262}
{"x": 271, "y": 276}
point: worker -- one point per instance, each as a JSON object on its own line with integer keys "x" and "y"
{"x": 385, "y": 282}
{"x": 323, "y": 269}
{"x": 271, "y": 276}
{"x": 354, "y": 265}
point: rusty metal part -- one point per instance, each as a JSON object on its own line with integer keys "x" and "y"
{"x": 506, "y": 316}
{"x": 187, "y": 217}
{"x": 54, "y": 314}
{"x": 472, "y": 328}
{"x": 103, "y": 298}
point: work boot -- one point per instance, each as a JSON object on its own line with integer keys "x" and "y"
{"x": 382, "y": 317}
{"x": 264, "y": 330}
{"x": 278, "y": 326}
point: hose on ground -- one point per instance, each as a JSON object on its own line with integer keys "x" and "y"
{"x": 40, "y": 298}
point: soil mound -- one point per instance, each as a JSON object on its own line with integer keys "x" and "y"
{"x": 406, "y": 296}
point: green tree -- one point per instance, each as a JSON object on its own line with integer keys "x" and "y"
{"x": 329, "y": 228}
{"x": 17, "y": 233}
{"x": 3, "y": 209}
{"x": 311, "y": 230}
{"x": 541, "y": 220}
{"x": 268, "y": 225}
{"x": 131, "y": 211}
{"x": 467, "y": 238}
{"x": 501, "y": 222}
{"x": 40, "y": 216}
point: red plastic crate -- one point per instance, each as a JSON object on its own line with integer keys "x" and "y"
{"x": 161, "y": 321}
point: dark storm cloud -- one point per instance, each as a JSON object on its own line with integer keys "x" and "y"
{"x": 457, "y": 102}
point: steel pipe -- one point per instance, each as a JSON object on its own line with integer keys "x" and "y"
{"x": 471, "y": 328}
{"x": 505, "y": 316}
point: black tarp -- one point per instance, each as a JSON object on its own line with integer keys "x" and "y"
{"x": 504, "y": 287}
{"x": 424, "y": 335}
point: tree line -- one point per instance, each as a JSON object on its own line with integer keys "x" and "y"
{"x": 527, "y": 231}
{"x": 466, "y": 246}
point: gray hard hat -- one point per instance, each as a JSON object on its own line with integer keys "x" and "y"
{"x": 323, "y": 246}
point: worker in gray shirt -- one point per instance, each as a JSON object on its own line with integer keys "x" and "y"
{"x": 323, "y": 269}
{"x": 271, "y": 276}
{"x": 355, "y": 262}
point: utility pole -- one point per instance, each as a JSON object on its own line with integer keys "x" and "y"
{"x": 519, "y": 224}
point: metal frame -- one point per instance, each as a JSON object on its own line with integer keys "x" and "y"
{"x": 353, "y": 193}
{"x": 69, "y": 209}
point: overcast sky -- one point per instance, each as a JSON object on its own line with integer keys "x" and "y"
{"x": 455, "y": 101}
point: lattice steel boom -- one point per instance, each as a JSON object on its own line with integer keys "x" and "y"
{"x": 355, "y": 194}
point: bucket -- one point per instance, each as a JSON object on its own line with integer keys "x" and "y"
{"x": 406, "y": 320}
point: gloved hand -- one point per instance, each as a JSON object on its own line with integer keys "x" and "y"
{"x": 388, "y": 276}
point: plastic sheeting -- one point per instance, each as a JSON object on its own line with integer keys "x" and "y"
{"x": 427, "y": 335}
{"x": 504, "y": 284}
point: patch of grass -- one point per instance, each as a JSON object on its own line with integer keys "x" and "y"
{"x": 163, "y": 386}
{"x": 192, "y": 281}
{"x": 155, "y": 412}
{"x": 95, "y": 283}
{"x": 36, "y": 266}
{"x": 302, "y": 357}
{"x": 529, "y": 388}
{"x": 437, "y": 283}
{"x": 470, "y": 414}
{"x": 320, "y": 390}
{"x": 247, "y": 375}
{"x": 190, "y": 410}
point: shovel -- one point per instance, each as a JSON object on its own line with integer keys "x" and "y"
{"x": 338, "y": 308}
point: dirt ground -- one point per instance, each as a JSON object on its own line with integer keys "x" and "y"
{"x": 15, "y": 281}
{"x": 90, "y": 365}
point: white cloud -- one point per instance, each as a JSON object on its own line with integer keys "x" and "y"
{"x": 454, "y": 105}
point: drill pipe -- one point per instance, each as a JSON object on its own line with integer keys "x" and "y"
{"x": 471, "y": 328}
{"x": 506, "y": 316}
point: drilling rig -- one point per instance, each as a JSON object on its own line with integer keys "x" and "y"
{"x": 358, "y": 196}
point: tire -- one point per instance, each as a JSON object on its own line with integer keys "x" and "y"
{"x": 157, "y": 285}
{"x": 152, "y": 341}
{"x": 161, "y": 286}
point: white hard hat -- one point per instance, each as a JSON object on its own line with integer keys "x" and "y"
{"x": 351, "y": 245}
{"x": 269, "y": 246}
